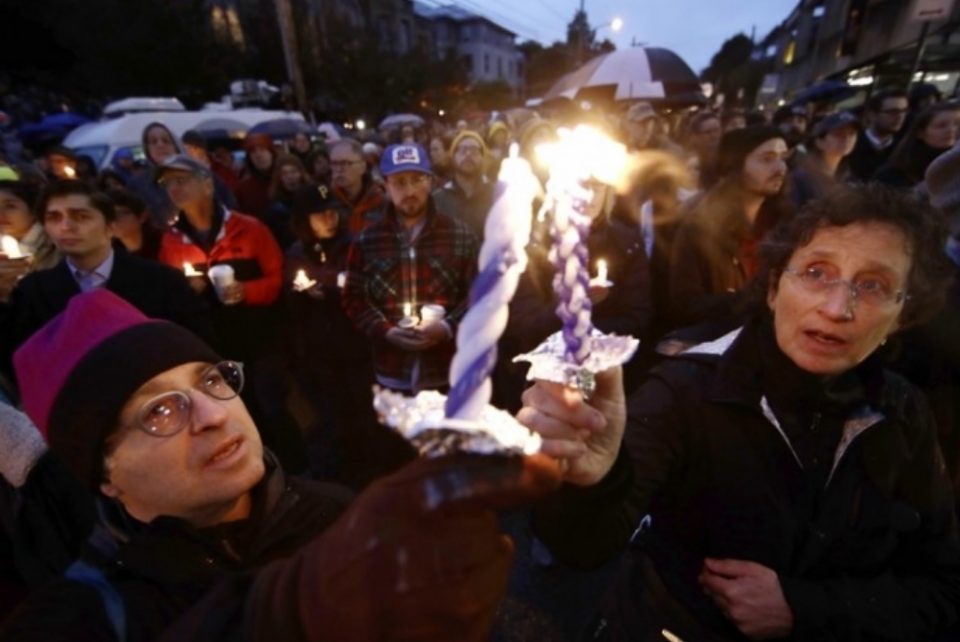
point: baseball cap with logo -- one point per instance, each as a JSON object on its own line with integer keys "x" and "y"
{"x": 405, "y": 158}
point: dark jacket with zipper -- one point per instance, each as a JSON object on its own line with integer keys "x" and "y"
{"x": 174, "y": 578}
{"x": 733, "y": 452}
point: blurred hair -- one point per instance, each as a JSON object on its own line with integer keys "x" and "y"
{"x": 59, "y": 189}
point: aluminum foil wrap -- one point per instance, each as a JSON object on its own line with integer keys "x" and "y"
{"x": 547, "y": 361}
{"x": 421, "y": 421}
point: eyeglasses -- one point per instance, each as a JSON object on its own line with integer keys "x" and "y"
{"x": 894, "y": 112}
{"x": 344, "y": 163}
{"x": 414, "y": 181}
{"x": 469, "y": 149}
{"x": 870, "y": 292}
{"x": 167, "y": 414}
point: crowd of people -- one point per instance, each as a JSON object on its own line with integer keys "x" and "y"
{"x": 194, "y": 343}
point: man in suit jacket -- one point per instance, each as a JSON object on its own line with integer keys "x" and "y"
{"x": 79, "y": 220}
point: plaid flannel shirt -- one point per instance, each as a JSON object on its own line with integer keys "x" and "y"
{"x": 385, "y": 271}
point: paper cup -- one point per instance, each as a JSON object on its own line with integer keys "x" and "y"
{"x": 431, "y": 313}
{"x": 221, "y": 276}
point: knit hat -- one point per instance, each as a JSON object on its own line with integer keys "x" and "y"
{"x": 405, "y": 158}
{"x": 498, "y": 126}
{"x": 465, "y": 134}
{"x": 737, "y": 144}
{"x": 253, "y": 141}
{"x": 8, "y": 173}
{"x": 640, "y": 112}
{"x": 530, "y": 129}
{"x": 77, "y": 372}
{"x": 943, "y": 180}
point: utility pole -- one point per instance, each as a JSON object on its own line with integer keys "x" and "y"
{"x": 289, "y": 37}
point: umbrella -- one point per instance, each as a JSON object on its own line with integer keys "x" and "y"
{"x": 638, "y": 73}
{"x": 825, "y": 91}
{"x": 281, "y": 128}
{"x": 64, "y": 120}
{"x": 399, "y": 120}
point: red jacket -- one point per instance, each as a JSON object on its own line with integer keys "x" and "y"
{"x": 244, "y": 243}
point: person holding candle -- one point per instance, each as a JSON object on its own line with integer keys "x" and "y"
{"x": 245, "y": 309}
{"x": 777, "y": 482}
{"x": 415, "y": 255}
{"x": 330, "y": 357}
{"x": 623, "y": 307}
{"x": 202, "y": 534}
{"x": 19, "y": 224}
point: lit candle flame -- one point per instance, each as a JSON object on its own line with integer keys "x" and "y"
{"x": 10, "y": 247}
{"x": 601, "y": 271}
{"x": 584, "y": 153}
{"x": 301, "y": 282}
{"x": 188, "y": 270}
{"x": 407, "y": 310}
{"x": 69, "y": 172}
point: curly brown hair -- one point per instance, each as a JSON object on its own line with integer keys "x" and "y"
{"x": 923, "y": 227}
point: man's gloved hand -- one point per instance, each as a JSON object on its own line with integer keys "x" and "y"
{"x": 21, "y": 445}
{"x": 417, "y": 556}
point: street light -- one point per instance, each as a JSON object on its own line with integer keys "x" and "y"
{"x": 614, "y": 25}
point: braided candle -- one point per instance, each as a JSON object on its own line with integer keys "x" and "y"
{"x": 502, "y": 260}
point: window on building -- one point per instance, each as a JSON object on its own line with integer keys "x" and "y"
{"x": 789, "y": 53}
{"x": 236, "y": 31}
{"x": 499, "y": 68}
{"x": 486, "y": 63}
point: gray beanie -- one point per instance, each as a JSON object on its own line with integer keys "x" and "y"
{"x": 943, "y": 181}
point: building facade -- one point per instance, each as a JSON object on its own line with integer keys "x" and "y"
{"x": 867, "y": 43}
{"x": 488, "y": 50}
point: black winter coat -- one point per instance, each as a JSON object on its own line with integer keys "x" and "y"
{"x": 157, "y": 290}
{"x": 172, "y": 575}
{"x": 864, "y": 540}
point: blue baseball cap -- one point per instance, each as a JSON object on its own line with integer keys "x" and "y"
{"x": 405, "y": 158}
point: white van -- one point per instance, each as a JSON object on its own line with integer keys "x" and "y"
{"x": 103, "y": 139}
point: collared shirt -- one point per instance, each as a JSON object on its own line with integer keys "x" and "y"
{"x": 95, "y": 278}
{"x": 877, "y": 143}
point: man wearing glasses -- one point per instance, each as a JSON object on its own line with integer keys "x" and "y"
{"x": 352, "y": 184}
{"x": 200, "y": 536}
{"x": 416, "y": 256}
{"x": 885, "y": 115}
{"x": 468, "y": 195}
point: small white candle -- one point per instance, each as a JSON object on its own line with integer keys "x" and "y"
{"x": 301, "y": 282}
{"x": 342, "y": 280}
{"x": 407, "y": 309}
{"x": 188, "y": 270}
{"x": 601, "y": 271}
{"x": 10, "y": 247}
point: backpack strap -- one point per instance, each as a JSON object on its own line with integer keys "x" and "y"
{"x": 86, "y": 573}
